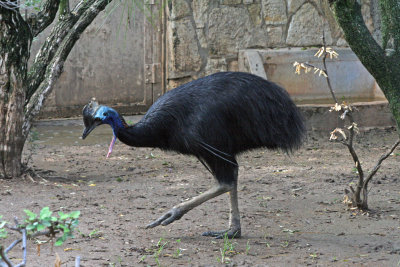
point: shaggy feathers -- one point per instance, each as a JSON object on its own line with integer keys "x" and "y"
{"x": 219, "y": 116}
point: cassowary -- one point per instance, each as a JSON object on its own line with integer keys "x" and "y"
{"x": 213, "y": 118}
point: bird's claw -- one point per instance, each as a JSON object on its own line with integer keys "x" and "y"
{"x": 167, "y": 218}
{"x": 230, "y": 233}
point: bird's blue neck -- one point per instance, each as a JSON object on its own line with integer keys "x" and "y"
{"x": 117, "y": 123}
{"x": 111, "y": 117}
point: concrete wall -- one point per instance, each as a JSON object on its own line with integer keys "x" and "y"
{"x": 204, "y": 36}
{"x": 350, "y": 80}
{"x": 107, "y": 63}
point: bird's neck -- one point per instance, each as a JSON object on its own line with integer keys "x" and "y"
{"x": 117, "y": 122}
{"x": 139, "y": 135}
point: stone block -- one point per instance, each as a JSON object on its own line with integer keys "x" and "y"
{"x": 233, "y": 66}
{"x": 183, "y": 50}
{"x": 306, "y": 28}
{"x": 275, "y": 36}
{"x": 200, "y": 12}
{"x": 230, "y": 2}
{"x": 258, "y": 38}
{"x": 179, "y": 9}
{"x": 274, "y": 12}
{"x": 216, "y": 65}
{"x": 226, "y": 33}
{"x": 294, "y": 5}
{"x": 202, "y": 38}
{"x": 374, "y": 114}
{"x": 173, "y": 83}
{"x": 255, "y": 13}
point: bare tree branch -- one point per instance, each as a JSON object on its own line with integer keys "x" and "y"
{"x": 41, "y": 20}
{"x": 4, "y": 257}
{"x": 50, "y": 47}
{"x": 378, "y": 164}
{"x": 54, "y": 68}
{"x": 328, "y": 81}
{"x": 12, "y": 245}
{"x": 10, "y": 4}
{"x": 23, "y": 263}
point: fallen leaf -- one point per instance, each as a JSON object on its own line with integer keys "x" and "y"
{"x": 57, "y": 263}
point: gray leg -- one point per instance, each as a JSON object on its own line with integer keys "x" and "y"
{"x": 179, "y": 210}
{"x": 234, "y": 216}
{"x": 234, "y": 230}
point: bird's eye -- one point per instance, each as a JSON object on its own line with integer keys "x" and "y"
{"x": 105, "y": 114}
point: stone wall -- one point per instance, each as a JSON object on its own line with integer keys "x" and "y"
{"x": 205, "y": 36}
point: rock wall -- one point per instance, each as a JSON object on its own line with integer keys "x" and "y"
{"x": 204, "y": 36}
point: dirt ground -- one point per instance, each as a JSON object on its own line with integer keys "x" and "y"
{"x": 291, "y": 207}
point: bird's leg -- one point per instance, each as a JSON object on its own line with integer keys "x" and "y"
{"x": 179, "y": 210}
{"x": 234, "y": 230}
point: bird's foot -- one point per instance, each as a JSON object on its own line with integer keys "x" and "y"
{"x": 168, "y": 217}
{"x": 230, "y": 233}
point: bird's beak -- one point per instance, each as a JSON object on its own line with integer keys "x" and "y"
{"x": 90, "y": 127}
{"x": 89, "y": 120}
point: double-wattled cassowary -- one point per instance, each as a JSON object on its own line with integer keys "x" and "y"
{"x": 213, "y": 118}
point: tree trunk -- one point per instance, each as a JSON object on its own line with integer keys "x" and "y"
{"x": 383, "y": 67}
{"x": 15, "y": 40}
{"x": 22, "y": 96}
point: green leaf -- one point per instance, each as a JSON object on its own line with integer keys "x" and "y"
{"x": 60, "y": 241}
{"x": 75, "y": 214}
{"x": 63, "y": 227}
{"x": 30, "y": 214}
{"x": 46, "y": 223}
{"x": 40, "y": 227}
{"x": 63, "y": 216}
{"x": 74, "y": 223}
{"x": 30, "y": 227}
{"x": 3, "y": 233}
{"x": 45, "y": 213}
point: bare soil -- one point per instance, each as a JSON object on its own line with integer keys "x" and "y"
{"x": 291, "y": 206}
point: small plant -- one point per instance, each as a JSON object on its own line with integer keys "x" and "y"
{"x": 314, "y": 256}
{"x": 95, "y": 234}
{"x": 160, "y": 248}
{"x": 151, "y": 156}
{"x": 286, "y": 230}
{"x": 35, "y": 225}
{"x": 358, "y": 197}
{"x": 266, "y": 237}
{"x": 143, "y": 258}
{"x": 285, "y": 244}
{"x": 178, "y": 251}
{"x": 228, "y": 249}
{"x": 119, "y": 261}
{"x": 248, "y": 247}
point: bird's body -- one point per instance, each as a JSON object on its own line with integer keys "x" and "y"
{"x": 214, "y": 118}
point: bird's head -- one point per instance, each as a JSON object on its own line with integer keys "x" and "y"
{"x": 95, "y": 115}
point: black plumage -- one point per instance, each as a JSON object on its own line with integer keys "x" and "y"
{"x": 213, "y": 118}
